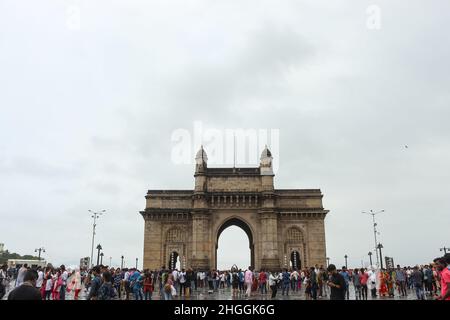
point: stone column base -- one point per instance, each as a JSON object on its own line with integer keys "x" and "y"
{"x": 200, "y": 264}
{"x": 271, "y": 264}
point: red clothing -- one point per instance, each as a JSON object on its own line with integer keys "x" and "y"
{"x": 148, "y": 285}
{"x": 445, "y": 278}
{"x": 262, "y": 277}
{"x": 363, "y": 278}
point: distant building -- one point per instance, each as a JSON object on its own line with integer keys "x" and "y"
{"x": 2, "y": 247}
{"x": 17, "y": 263}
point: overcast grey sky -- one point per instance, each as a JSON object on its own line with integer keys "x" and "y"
{"x": 91, "y": 92}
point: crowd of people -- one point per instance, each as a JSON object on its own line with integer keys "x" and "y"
{"x": 107, "y": 283}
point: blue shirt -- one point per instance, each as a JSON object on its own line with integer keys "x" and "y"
{"x": 344, "y": 274}
{"x": 136, "y": 279}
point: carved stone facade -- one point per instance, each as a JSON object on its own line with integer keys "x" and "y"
{"x": 285, "y": 227}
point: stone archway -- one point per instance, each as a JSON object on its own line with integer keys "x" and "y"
{"x": 235, "y": 221}
{"x": 191, "y": 221}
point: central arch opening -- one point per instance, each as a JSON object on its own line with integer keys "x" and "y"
{"x": 235, "y": 241}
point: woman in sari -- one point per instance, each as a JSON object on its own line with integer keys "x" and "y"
{"x": 383, "y": 283}
{"x": 74, "y": 283}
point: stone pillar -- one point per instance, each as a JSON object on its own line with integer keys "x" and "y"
{"x": 153, "y": 246}
{"x": 269, "y": 240}
{"x": 201, "y": 244}
{"x": 316, "y": 243}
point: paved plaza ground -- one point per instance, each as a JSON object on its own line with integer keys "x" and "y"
{"x": 225, "y": 294}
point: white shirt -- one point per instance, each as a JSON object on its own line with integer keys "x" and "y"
{"x": 175, "y": 275}
{"x": 64, "y": 277}
{"x": 49, "y": 284}
{"x": 182, "y": 277}
{"x": 40, "y": 279}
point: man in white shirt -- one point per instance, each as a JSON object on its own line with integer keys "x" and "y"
{"x": 40, "y": 278}
{"x": 21, "y": 274}
{"x": 182, "y": 280}
{"x": 64, "y": 276}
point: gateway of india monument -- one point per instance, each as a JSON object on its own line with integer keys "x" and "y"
{"x": 285, "y": 227}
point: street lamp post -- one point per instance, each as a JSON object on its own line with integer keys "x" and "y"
{"x": 99, "y": 247}
{"x": 95, "y": 215}
{"x": 136, "y": 262}
{"x": 101, "y": 257}
{"x": 121, "y": 263}
{"x": 346, "y": 267}
{"x": 380, "y": 246}
{"x": 444, "y": 249}
{"x": 370, "y": 258}
{"x": 373, "y": 214}
{"x": 328, "y": 261}
{"x": 41, "y": 249}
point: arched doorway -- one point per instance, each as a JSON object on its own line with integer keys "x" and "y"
{"x": 244, "y": 226}
{"x": 295, "y": 260}
{"x": 174, "y": 261}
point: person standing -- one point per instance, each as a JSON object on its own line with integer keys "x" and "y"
{"x": 106, "y": 290}
{"x": 148, "y": 286}
{"x": 400, "y": 276}
{"x": 182, "y": 281}
{"x": 40, "y": 279}
{"x": 27, "y": 290}
{"x": 286, "y": 278}
{"x": 372, "y": 283}
{"x": 48, "y": 284}
{"x": 417, "y": 279}
{"x": 21, "y": 275}
{"x": 336, "y": 283}
{"x": 117, "y": 282}
{"x": 96, "y": 282}
{"x": 313, "y": 282}
{"x": 363, "y": 278}
{"x": 3, "y": 280}
{"x": 442, "y": 267}
{"x": 248, "y": 277}
{"x": 234, "y": 282}
{"x": 357, "y": 283}
{"x": 74, "y": 283}
{"x": 64, "y": 277}
{"x": 346, "y": 276}
{"x": 136, "y": 282}
{"x": 241, "y": 281}
{"x": 273, "y": 283}
{"x": 262, "y": 282}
